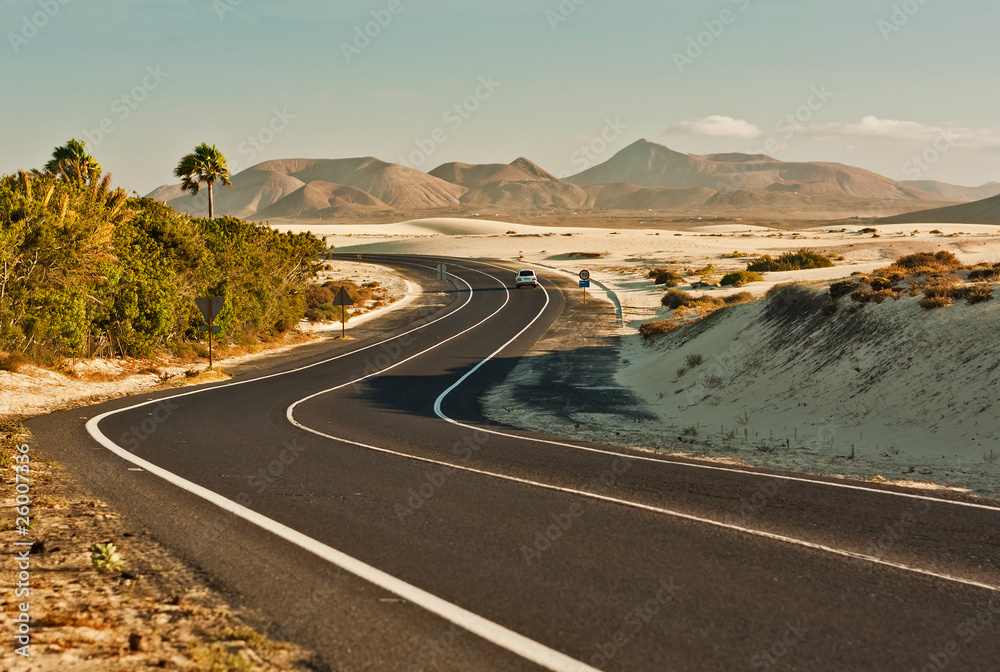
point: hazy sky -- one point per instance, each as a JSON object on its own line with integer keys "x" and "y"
{"x": 904, "y": 88}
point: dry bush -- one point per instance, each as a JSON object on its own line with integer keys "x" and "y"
{"x": 841, "y": 289}
{"x": 931, "y": 302}
{"x": 879, "y": 284}
{"x": 651, "y": 330}
{"x": 738, "y": 298}
{"x": 664, "y": 276}
{"x": 865, "y": 295}
{"x": 919, "y": 263}
{"x": 981, "y": 291}
{"x": 13, "y": 361}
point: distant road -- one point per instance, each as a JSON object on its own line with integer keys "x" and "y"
{"x": 359, "y": 501}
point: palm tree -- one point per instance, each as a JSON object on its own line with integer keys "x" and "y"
{"x": 72, "y": 161}
{"x": 205, "y": 165}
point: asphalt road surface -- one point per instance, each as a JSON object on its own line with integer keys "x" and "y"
{"x": 357, "y": 498}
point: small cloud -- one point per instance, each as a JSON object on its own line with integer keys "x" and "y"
{"x": 716, "y": 126}
{"x": 912, "y": 132}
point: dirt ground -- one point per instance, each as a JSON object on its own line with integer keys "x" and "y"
{"x": 151, "y": 612}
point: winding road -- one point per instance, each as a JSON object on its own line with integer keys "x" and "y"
{"x": 358, "y": 499}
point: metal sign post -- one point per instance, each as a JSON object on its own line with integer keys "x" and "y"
{"x": 343, "y": 299}
{"x": 442, "y": 272}
{"x": 210, "y": 309}
{"x": 584, "y": 283}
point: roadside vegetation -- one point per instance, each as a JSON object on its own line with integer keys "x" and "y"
{"x": 791, "y": 261}
{"x": 939, "y": 279}
{"x": 87, "y": 271}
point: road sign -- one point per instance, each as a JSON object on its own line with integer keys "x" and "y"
{"x": 585, "y": 275}
{"x": 210, "y": 308}
{"x": 343, "y": 298}
{"x": 584, "y": 284}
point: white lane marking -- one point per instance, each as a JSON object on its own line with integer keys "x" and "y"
{"x": 660, "y": 510}
{"x": 646, "y": 507}
{"x": 492, "y": 632}
{"x": 488, "y": 630}
{"x": 689, "y": 465}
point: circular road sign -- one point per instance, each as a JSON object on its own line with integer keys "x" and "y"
{"x": 585, "y": 275}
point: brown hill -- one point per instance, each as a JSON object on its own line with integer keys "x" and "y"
{"x": 256, "y": 188}
{"x": 252, "y": 190}
{"x": 323, "y": 200}
{"x": 953, "y": 192}
{"x": 528, "y": 195}
{"x": 986, "y": 211}
{"x": 473, "y": 176}
{"x": 647, "y": 164}
{"x": 395, "y": 185}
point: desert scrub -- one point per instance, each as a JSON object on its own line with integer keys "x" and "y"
{"x": 931, "y": 302}
{"x": 841, "y": 289}
{"x": 694, "y": 359}
{"x": 740, "y": 278}
{"x": 865, "y": 295}
{"x": 651, "y": 330}
{"x": 920, "y": 263}
{"x": 664, "y": 276}
{"x": 791, "y": 261}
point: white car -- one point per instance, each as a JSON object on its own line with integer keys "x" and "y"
{"x": 525, "y": 278}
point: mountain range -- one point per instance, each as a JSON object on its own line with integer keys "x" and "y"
{"x": 644, "y": 176}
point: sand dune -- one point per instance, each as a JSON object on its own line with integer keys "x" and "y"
{"x": 986, "y": 211}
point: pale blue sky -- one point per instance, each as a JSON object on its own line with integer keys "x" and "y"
{"x": 227, "y": 70}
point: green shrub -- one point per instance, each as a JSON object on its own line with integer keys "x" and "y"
{"x": 741, "y": 278}
{"x": 791, "y": 261}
